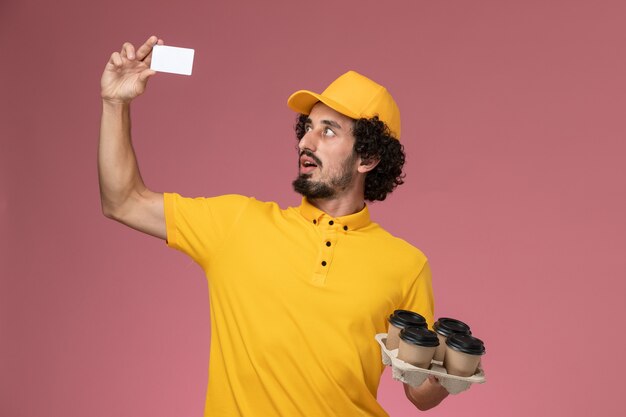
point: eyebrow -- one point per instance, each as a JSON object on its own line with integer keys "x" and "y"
{"x": 330, "y": 123}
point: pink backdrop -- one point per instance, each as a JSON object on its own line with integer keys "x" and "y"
{"x": 514, "y": 128}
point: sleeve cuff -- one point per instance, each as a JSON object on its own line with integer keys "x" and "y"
{"x": 170, "y": 220}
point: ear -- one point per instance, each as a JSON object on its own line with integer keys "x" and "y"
{"x": 367, "y": 165}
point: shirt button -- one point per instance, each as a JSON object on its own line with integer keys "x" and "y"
{"x": 345, "y": 228}
{"x": 327, "y": 243}
{"x": 323, "y": 263}
{"x": 331, "y": 222}
{"x": 314, "y": 221}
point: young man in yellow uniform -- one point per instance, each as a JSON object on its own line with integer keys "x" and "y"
{"x": 296, "y": 294}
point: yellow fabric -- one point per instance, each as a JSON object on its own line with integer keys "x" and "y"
{"x": 289, "y": 336}
{"x": 355, "y": 96}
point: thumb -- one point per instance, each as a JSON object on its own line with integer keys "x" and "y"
{"x": 145, "y": 74}
{"x": 433, "y": 379}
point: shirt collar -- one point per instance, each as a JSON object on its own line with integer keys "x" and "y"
{"x": 353, "y": 221}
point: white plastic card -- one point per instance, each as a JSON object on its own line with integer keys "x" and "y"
{"x": 172, "y": 59}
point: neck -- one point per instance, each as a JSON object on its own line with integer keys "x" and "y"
{"x": 342, "y": 205}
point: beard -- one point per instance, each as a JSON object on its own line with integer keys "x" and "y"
{"x": 311, "y": 189}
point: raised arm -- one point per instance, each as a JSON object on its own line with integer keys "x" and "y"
{"x": 123, "y": 194}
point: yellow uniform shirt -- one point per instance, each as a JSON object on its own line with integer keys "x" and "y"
{"x": 296, "y": 297}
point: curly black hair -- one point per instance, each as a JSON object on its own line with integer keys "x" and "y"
{"x": 373, "y": 140}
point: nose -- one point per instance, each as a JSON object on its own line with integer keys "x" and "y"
{"x": 308, "y": 141}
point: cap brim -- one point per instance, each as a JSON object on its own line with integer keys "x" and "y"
{"x": 303, "y": 101}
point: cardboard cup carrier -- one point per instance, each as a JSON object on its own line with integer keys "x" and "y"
{"x": 462, "y": 356}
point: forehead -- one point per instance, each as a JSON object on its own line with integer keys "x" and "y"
{"x": 321, "y": 111}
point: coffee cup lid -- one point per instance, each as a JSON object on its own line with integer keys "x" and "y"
{"x": 466, "y": 343}
{"x": 446, "y": 326}
{"x": 419, "y": 336}
{"x": 403, "y": 318}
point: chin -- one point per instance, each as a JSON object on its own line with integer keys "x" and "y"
{"x": 311, "y": 190}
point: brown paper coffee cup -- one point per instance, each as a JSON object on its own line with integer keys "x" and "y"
{"x": 459, "y": 363}
{"x": 440, "y": 351}
{"x": 417, "y": 346}
{"x": 419, "y": 356}
{"x": 445, "y": 327}
{"x": 398, "y": 321}
{"x": 463, "y": 353}
{"x": 393, "y": 337}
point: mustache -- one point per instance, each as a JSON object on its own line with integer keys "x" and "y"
{"x": 312, "y": 156}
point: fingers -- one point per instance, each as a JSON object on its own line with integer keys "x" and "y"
{"x": 128, "y": 51}
{"x": 148, "y": 58}
{"x": 144, "y": 53}
{"x": 145, "y": 49}
{"x": 116, "y": 59}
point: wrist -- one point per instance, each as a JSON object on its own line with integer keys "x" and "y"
{"x": 113, "y": 106}
{"x": 114, "y": 102}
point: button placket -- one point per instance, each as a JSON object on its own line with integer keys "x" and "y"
{"x": 328, "y": 229}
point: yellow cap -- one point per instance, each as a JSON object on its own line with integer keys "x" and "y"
{"x": 355, "y": 96}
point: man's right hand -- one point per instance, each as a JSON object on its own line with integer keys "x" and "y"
{"x": 123, "y": 194}
{"x": 126, "y": 74}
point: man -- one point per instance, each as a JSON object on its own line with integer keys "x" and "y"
{"x": 296, "y": 295}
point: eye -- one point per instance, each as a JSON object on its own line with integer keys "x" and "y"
{"x": 308, "y": 128}
{"x": 329, "y": 132}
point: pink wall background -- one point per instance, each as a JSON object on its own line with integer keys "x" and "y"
{"x": 513, "y": 122}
